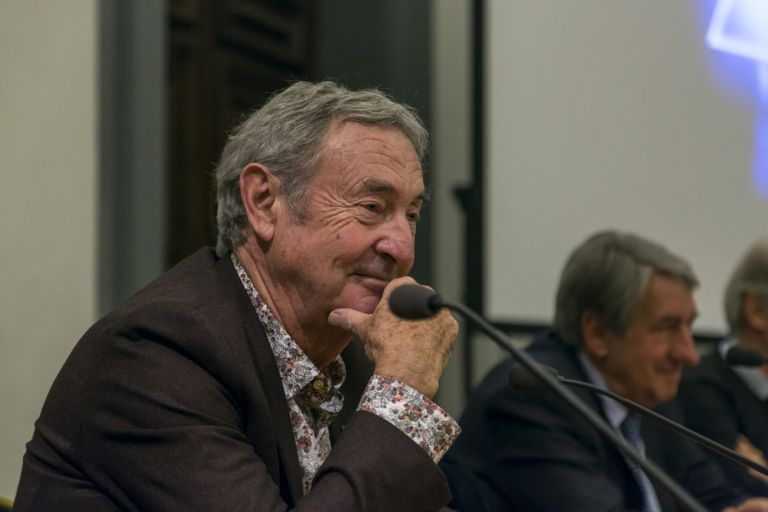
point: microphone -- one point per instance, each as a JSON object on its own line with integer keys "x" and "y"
{"x": 741, "y": 355}
{"x": 415, "y": 304}
{"x": 521, "y": 378}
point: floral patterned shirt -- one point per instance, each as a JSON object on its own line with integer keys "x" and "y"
{"x": 314, "y": 398}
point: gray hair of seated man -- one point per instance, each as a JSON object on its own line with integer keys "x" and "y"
{"x": 286, "y": 135}
{"x": 749, "y": 276}
{"x": 608, "y": 275}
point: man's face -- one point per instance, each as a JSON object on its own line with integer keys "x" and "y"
{"x": 645, "y": 363}
{"x": 359, "y": 223}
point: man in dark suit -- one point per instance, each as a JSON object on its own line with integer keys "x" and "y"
{"x": 219, "y": 385}
{"x": 623, "y": 319}
{"x": 729, "y": 404}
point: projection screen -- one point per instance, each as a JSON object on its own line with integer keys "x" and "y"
{"x": 617, "y": 114}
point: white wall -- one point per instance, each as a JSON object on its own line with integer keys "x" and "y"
{"x": 451, "y": 163}
{"x": 48, "y": 224}
{"x": 606, "y": 114}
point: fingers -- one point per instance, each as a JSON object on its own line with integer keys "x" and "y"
{"x": 745, "y": 448}
{"x": 349, "y": 320}
{"x": 414, "y": 352}
{"x": 355, "y": 321}
{"x": 750, "y": 505}
{"x": 395, "y": 283}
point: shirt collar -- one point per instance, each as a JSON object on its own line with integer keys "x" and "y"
{"x": 296, "y": 368}
{"x": 754, "y": 378}
{"x": 614, "y": 411}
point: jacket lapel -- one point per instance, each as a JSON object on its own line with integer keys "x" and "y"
{"x": 269, "y": 377}
{"x": 571, "y": 367}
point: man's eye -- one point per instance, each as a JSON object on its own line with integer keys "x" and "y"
{"x": 414, "y": 216}
{"x": 669, "y": 326}
{"x": 371, "y": 207}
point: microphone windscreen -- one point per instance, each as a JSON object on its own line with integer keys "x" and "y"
{"x": 414, "y": 302}
{"x": 523, "y": 379}
{"x": 739, "y": 355}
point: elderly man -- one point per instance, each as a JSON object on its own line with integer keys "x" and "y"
{"x": 623, "y": 319}
{"x": 216, "y": 386}
{"x": 729, "y": 404}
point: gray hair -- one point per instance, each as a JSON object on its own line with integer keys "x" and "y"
{"x": 608, "y": 275}
{"x": 286, "y": 136}
{"x": 750, "y": 276}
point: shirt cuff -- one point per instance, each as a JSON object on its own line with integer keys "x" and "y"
{"x": 418, "y": 417}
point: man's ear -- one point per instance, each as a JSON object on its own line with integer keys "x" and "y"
{"x": 258, "y": 192}
{"x": 756, "y": 312}
{"x": 594, "y": 335}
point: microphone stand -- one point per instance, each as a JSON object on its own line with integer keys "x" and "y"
{"x": 653, "y": 471}
{"x": 685, "y": 432}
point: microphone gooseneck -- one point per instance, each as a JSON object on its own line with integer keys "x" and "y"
{"x": 741, "y": 355}
{"x": 521, "y": 378}
{"x": 412, "y": 304}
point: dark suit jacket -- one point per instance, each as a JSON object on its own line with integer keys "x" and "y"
{"x": 718, "y": 404}
{"x": 174, "y": 402}
{"x": 535, "y": 453}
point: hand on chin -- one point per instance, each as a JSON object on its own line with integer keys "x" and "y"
{"x": 368, "y": 291}
{"x": 368, "y": 303}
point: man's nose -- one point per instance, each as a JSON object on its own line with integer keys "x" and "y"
{"x": 397, "y": 242}
{"x": 684, "y": 347}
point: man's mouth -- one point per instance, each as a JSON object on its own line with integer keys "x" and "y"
{"x": 373, "y": 281}
{"x": 675, "y": 372}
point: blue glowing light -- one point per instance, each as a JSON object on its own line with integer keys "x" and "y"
{"x": 760, "y": 165}
{"x": 740, "y": 27}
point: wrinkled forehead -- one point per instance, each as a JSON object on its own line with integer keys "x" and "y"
{"x": 346, "y": 136}
{"x": 354, "y": 149}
